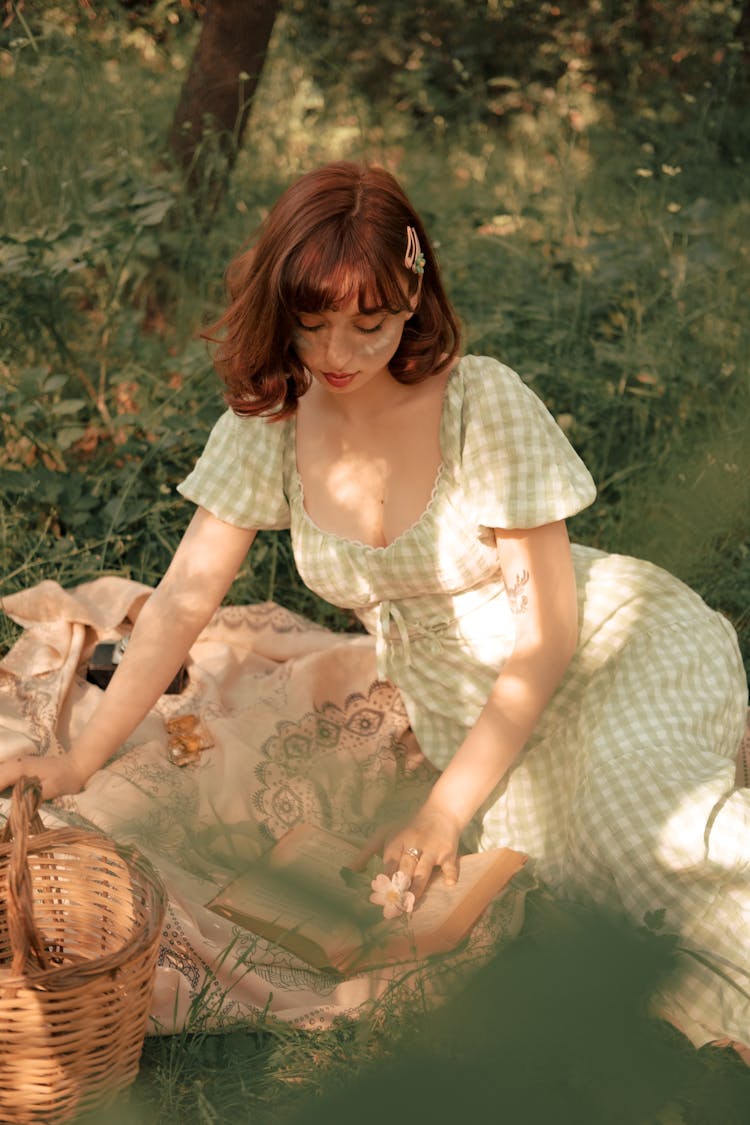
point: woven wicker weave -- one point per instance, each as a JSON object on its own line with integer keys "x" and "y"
{"x": 80, "y": 920}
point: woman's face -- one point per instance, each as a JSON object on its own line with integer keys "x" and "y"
{"x": 345, "y": 349}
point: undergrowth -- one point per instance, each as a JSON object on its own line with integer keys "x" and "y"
{"x": 602, "y": 258}
{"x": 592, "y": 237}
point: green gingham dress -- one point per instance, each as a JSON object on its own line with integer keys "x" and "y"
{"x": 625, "y": 793}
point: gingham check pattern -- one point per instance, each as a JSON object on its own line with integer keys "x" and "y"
{"x": 625, "y": 792}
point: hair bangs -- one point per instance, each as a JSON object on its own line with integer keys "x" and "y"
{"x": 330, "y": 270}
{"x": 338, "y": 234}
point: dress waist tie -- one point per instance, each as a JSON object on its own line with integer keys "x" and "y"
{"x": 434, "y": 632}
{"x": 389, "y": 614}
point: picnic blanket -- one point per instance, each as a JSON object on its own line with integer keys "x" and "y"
{"x": 281, "y": 721}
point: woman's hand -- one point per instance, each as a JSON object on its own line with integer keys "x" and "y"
{"x": 433, "y": 833}
{"x": 57, "y": 775}
{"x": 429, "y": 840}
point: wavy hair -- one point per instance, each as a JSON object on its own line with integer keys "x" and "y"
{"x": 339, "y": 231}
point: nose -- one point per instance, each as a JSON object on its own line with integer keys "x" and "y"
{"x": 338, "y": 350}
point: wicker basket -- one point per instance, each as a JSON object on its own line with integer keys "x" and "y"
{"x": 80, "y": 920}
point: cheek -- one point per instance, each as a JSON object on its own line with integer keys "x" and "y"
{"x": 387, "y": 340}
{"x": 301, "y": 342}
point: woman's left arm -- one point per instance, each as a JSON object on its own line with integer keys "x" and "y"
{"x": 539, "y": 578}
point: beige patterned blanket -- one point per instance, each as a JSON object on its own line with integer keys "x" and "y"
{"x": 281, "y": 721}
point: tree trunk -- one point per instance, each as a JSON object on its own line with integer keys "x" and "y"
{"x": 216, "y": 97}
{"x": 742, "y": 32}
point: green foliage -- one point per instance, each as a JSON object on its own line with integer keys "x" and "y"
{"x": 555, "y": 1028}
{"x": 490, "y": 59}
{"x": 583, "y": 172}
{"x": 433, "y": 60}
{"x": 598, "y": 253}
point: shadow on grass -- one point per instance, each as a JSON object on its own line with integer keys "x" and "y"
{"x": 556, "y": 1029}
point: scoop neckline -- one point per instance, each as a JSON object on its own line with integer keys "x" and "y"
{"x": 421, "y": 518}
{"x": 359, "y": 543}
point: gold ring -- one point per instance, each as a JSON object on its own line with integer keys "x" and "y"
{"x": 416, "y": 852}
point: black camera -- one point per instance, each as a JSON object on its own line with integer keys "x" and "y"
{"x": 107, "y": 655}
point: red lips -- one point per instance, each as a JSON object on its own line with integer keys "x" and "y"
{"x": 338, "y": 379}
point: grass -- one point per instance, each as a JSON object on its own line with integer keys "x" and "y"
{"x": 556, "y": 1028}
{"x": 594, "y": 242}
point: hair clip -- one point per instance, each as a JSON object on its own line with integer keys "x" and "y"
{"x": 414, "y": 259}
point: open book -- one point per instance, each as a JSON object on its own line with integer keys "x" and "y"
{"x": 303, "y": 896}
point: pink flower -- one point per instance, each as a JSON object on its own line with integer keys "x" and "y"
{"x": 392, "y": 894}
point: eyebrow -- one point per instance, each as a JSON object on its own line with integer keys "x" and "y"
{"x": 360, "y": 312}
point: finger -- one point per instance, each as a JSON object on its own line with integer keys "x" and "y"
{"x": 421, "y": 876}
{"x": 371, "y": 847}
{"x": 7, "y": 787}
{"x": 394, "y": 855}
{"x": 417, "y": 865}
{"x": 12, "y": 772}
{"x": 7, "y": 781}
{"x": 394, "y": 858}
{"x": 449, "y": 867}
{"x": 41, "y": 768}
{"x": 391, "y": 862}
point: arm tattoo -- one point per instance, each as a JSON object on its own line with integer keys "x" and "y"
{"x": 518, "y": 600}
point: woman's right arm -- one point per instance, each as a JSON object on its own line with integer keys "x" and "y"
{"x": 202, "y": 570}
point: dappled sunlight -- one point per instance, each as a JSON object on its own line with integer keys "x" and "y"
{"x": 684, "y": 842}
{"x": 350, "y": 479}
{"x": 584, "y": 182}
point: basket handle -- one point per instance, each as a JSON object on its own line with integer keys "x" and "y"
{"x": 24, "y": 820}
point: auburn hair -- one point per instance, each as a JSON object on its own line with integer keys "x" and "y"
{"x": 338, "y": 232}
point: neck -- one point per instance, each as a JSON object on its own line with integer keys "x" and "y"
{"x": 377, "y": 397}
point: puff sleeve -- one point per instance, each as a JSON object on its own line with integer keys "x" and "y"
{"x": 519, "y": 468}
{"x": 239, "y": 477}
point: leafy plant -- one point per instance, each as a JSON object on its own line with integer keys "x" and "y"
{"x": 583, "y": 173}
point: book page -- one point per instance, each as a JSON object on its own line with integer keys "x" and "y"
{"x": 440, "y": 900}
{"x": 297, "y": 896}
{"x": 317, "y": 856}
{"x": 298, "y": 889}
{"x": 445, "y": 914}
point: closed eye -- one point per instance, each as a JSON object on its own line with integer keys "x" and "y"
{"x": 358, "y": 328}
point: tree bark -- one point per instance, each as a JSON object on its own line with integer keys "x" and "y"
{"x": 742, "y": 32}
{"x": 217, "y": 95}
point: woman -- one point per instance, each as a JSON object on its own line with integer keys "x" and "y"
{"x": 581, "y": 707}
